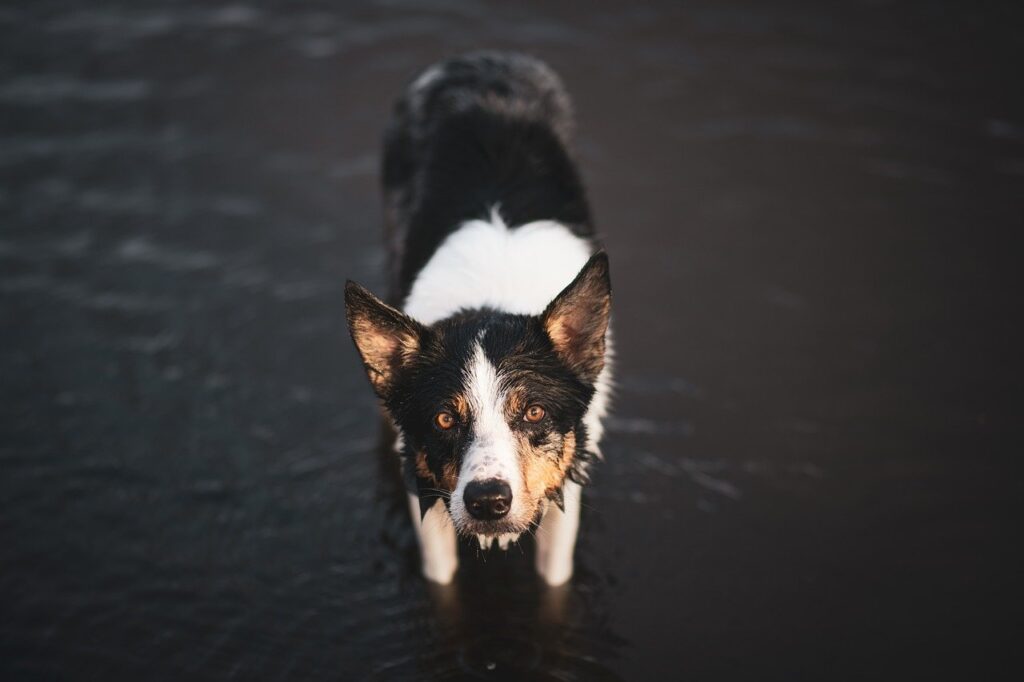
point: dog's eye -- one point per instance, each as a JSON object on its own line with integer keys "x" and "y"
{"x": 444, "y": 420}
{"x": 534, "y": 413}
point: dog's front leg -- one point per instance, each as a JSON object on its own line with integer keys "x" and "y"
{"x": 436, "y": 536}
{"x": 556, "y": 537}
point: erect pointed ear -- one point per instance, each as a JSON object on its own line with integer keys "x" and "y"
{"x": 386, "y": 338}
{"x": 577, "y": 319}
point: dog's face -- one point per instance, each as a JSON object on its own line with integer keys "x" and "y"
{"x": 490, "y": 405}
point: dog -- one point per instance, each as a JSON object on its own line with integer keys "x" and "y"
{"x": 492, "y": 357}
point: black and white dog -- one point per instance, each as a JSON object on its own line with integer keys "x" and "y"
{"x": 493, "y": 363}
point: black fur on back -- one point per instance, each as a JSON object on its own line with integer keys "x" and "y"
{"x": 477, "y": 131}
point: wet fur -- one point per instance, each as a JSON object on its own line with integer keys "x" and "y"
{"x": 476, "y": 167}
{"x": 532, "y": 373}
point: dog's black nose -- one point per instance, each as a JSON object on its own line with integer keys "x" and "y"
{"x": 488, "y": 500}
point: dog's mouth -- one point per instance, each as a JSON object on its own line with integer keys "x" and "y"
{"x": 473, "y": 528}
{"x": 490, "y": 533}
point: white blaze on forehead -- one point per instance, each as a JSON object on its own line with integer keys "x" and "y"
{"x": 492, "y": 451}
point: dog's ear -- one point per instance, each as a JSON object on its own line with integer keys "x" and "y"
{"x": 577, "y": 319}
{"x": 386, "y": 338}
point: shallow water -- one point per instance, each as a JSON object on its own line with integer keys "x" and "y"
{"x": 814, "y": 223}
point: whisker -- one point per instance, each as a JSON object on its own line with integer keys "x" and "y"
{"x": 440, "y": 493}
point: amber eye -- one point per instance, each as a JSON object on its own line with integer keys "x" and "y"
{"x": 534, "y": 413}
{"x": 444, "y": 420}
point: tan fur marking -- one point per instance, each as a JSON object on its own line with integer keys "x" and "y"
{"x": 559, "y": 332}
{"x": 577, "y": 320}
{"x": 568, "y": 451}
{"x": 409, "y": 347}
{"x": 422, "y": 470}
{"x": 565, "y": 338}
{"x": 515, "y": 404}
{"x": 449, "y": 476}
{"x": 379, "y": 348}
{"x": 461, "y": 406}
{"x": 449, "y": 473}
{"x": 545, "y": 466}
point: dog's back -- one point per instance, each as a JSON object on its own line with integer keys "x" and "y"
{"x": 480, "y": 137}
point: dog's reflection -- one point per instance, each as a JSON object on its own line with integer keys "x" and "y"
{"x": 501, "y": 622}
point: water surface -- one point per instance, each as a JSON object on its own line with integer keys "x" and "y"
{"x": 813, "y": 216}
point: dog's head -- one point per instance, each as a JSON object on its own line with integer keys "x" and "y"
{"x": 490, "y": 405}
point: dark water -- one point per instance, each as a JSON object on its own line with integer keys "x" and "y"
{"x": 814, "y": 218}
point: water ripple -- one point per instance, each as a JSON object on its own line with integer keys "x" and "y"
{"x": 47, "y": 89}
{"x": 139, "y": 24}
{"x": 141, "y": 250}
